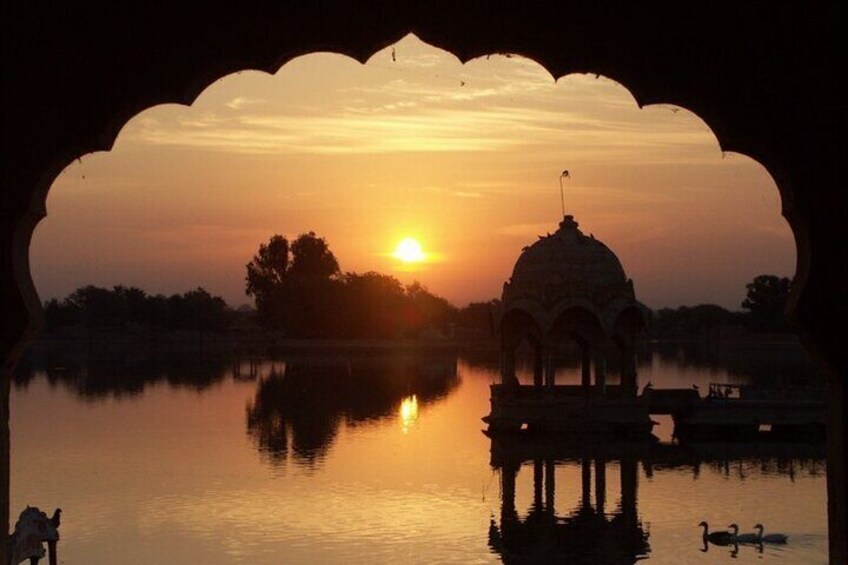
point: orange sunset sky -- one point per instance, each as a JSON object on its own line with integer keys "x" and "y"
{"x": 464, "y": 158}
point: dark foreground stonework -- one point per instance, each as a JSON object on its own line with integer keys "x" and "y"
{"x": 763, "y": 76}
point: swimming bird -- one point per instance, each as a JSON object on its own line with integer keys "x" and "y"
{"x": 743, "y": 538}
{"x": 770, "y": 538}
{"x": 717, "y": 538}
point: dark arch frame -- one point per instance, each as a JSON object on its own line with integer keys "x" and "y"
{"x": 762, "y": 76}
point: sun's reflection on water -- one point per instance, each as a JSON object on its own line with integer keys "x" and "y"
{"x": 408, "y": 412}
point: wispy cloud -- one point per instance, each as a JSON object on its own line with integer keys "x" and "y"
{"x": 408, "y": 128}
{"x": 417, "y": 100}
{"x": 467, "y": 194}
{"x": 526, "y": 231}
{"x": 240, "y": 102}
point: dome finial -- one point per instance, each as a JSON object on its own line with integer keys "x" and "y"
{"x": 568, "y": 223}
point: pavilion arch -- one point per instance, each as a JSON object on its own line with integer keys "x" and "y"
{"x": 532, "y": 309}
{"x": 517, "y": 324}
{"x": 629, "y": 321}
{"x": 762, "y": 80}
{"x": 581, "y": 322}
{"x": 577, "y": 311}
{"x": 577, "y": 322}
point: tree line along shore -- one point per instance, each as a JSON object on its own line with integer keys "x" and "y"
{"x": 303, "y": 298}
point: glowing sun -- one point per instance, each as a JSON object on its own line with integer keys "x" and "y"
{"x": 409, "y": 250}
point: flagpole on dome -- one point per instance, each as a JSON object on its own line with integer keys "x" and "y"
{"x": 564, "y": 175}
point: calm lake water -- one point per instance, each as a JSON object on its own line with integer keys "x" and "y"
{"x": 381, "y": 459}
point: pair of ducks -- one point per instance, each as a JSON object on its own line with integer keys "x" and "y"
{"x": 734, "y": 537}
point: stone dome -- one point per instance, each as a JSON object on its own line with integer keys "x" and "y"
{"x": 568, "y": 265}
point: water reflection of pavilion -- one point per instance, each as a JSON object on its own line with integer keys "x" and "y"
{"x": 590, "y": 533}
{"x": 593, "y": 531}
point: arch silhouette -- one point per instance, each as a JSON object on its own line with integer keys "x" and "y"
{"x": 629, "y": 320}
{"x": 518, "y": 323}
{"x": 763, "y": 80}
{"x": 582, "y": 313}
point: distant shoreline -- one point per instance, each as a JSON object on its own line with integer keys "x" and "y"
{"x": 258, "y": 345}
{"x": 262, "y": 343}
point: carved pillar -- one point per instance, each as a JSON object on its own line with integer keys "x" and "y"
{"x": 600, "y": 373}
{"x": 5, "y": 382}
{"x": 818, "y": 302}
{"x": 586, "y": 367}
{"x": 629, "y": 384}
{"x": 538, "y": 366}
{"x": 837, "y": 471}
{"x": 23, "y": 190}
{"x": 508, "y": 367}
{"x": 549, "y": 370}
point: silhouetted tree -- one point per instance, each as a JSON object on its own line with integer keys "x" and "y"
{"x": 311, "y": 257}
{"x": 268, "y": 269}
{"x": 426, "y": 311}
{"x": 766, "y": 302}
{"x": 692, "y": 322}
{"x": 298, "y": 288}
{"x": 295, "y": 286}
{"x": 61, "y": 314}
{"x": 132, "y": 303}
{"x": 103, "y": 309}
{"x": 266, "y": 274}
{"x": 100, "y": 307}
{"x": 479, "y": 317}
{"x": 311, "y": 288}
{"x": 371, "y": 305}
{"x": 157, "y": 315}
{"x": 198, "y": 310}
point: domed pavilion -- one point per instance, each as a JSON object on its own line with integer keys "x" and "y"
{"x": 568, "y": 286}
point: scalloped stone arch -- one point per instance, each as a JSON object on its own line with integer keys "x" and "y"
{"x": 619, "y": 309}
{"x": 589, "y": 325}
{"x": 561, "y": 309}
{"x": 521, "y": 318}
{"x": 762, "y": 80}
{"x": 628, "y": 322}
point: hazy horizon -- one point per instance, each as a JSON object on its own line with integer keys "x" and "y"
{"x": 464, "y": 158}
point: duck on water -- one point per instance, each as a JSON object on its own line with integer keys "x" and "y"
{"x": 769, "y": 538}
{"x": 744, "y": 538}
{"x": 716, "y": 538}
{"x": 755, "y": 538}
